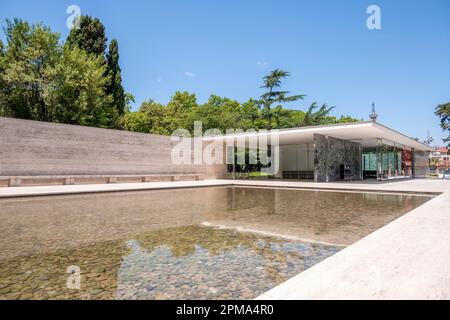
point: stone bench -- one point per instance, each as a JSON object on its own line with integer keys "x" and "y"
{"x": 18, "y": 181}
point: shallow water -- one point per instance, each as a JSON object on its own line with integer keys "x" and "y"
{"x": 158, "y": 245}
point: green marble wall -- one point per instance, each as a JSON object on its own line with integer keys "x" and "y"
{"x": 330, "y": 153}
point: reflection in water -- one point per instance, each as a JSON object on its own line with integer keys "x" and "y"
{"x": 178, "y": 263}
{"x": 207, "y": 263}
{"x": 150, "y": 245}
{"x": 329, "y": 217}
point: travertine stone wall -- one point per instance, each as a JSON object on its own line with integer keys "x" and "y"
{"x": 32, "y": 148}
{"x": 330, "y": 153}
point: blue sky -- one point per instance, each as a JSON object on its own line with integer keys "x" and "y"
{"x": 226, "y": 47}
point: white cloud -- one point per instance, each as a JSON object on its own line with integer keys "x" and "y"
{"x": 189, "y": 74}
{"x": 262, "y": 63}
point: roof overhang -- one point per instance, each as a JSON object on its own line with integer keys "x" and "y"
{"x": 365, "y": 133}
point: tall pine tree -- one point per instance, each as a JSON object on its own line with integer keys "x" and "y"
{"x": 90, "y": 36}
{"x": 115, "y": 88}
{"x": 273, "y": 95}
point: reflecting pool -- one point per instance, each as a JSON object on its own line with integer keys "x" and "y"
{"x": 200, "y": 243}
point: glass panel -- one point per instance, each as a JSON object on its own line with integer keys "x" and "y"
{"x": 406, "y": 163}
{"x": 396, "y": 161}
{"x": 369, "y": 163}
{"x": 421, "y": 165}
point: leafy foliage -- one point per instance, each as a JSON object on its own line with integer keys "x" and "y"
{"x": 78, "y": 95}
{"x": 41, "y": 79}
{"x": 221, "y": 113}
{"x": 77, "y": 83}
{"x": 318, "y": 117}
{"x": 90, "y": 36}
{"x": 115, "y": 88}
{"x": 27, "y": 62}
{"x": 273, "y": 96}
{"x": 443, "y": 112}
{"x": 137, "y": 122}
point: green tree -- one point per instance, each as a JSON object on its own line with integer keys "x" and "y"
{"x": 79, "y": 93}
{"x": 251, "y": 116}
{"x": 219, "y": 113}
{"x": 115, "y": 88}
{"x": 178, "y": 111}
{"x": 273, "y": 96}
{"x": 209, "y": 114}
{"x": 137, "y": 121}
{"x": 317, "y": 117}
{"x": 90, "y": 36}
{"x": 43, "y": 80}
{"x": 443, "y": 112}
{"x": 27, "y": 62}
{"x": 287, "y": 118}
{"x": 3, "y": 107}
{"x": 347, "y": 119}
{"x": 156, "y": 116}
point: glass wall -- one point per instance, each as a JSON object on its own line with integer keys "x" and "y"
{"x": 421, "y": 167}
{"x": 249, "y": 163}
{"x": 394, "y": 160}
{"x": 407, "y": 163}
{"x": 369, "y": 163}
{"x": 296, "y": 162}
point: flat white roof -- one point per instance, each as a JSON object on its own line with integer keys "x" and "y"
{"x": 365, "y": 133}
